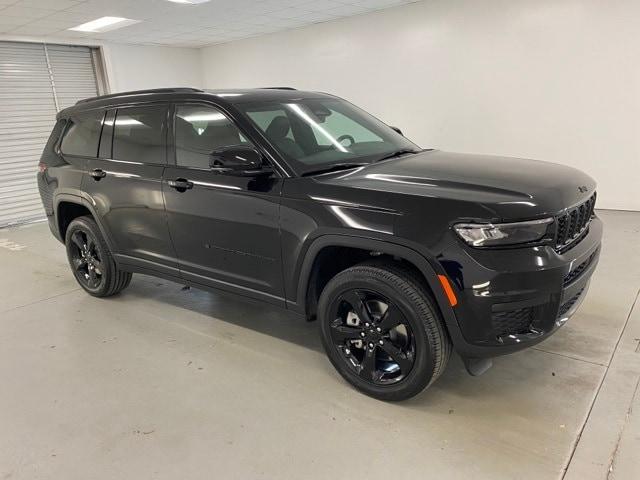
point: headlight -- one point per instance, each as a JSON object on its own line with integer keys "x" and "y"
{"x": 499, "y": 234}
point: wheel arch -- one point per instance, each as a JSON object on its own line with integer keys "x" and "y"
{"x": 303, "y": 304}
{"x": 67, "y": 207}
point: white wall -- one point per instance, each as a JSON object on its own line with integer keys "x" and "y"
{"x": 132, "y": 67}
{"x": 547, "y": 79}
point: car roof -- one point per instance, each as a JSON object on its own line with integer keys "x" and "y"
{"x": 221, "y": 96}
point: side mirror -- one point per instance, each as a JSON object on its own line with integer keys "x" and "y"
{"x": 396, "y": 129}
{"x": 239, "y": 160}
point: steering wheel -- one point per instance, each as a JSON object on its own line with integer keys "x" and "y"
{"x": 341, "y": 138}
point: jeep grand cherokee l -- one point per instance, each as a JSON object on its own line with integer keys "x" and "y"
{"x": 305, "y": 201}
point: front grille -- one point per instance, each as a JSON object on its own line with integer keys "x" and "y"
{"x": 512, "y": 322}
{"x": 576, "y": 272}
{"x": 573, "y": 225}
{"x": 566, "y": 306}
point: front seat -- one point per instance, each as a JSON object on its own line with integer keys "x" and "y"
{"x": 277, "y": 132}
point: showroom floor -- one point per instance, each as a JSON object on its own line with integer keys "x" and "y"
{"x": 163, "y": 382}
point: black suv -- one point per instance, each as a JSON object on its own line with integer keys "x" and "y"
{"x": 304, "y": 201}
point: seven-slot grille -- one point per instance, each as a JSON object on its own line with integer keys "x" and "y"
{"x": 573, "y": 224}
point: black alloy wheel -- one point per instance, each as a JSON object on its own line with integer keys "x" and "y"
{"x": 85, "y": 259}
{"x": 382, "y": 330}
{"x": 372, "y": 336}
{"x": 90, "y": 259}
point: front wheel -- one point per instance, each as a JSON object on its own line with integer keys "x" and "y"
{"x": 91, "y": 261}
{"x": 382, "y": 331}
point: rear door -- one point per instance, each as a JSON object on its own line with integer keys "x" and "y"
{"x": 225, "y": 228}
{"x": 78, "y": 147}
{"x": 124, "y": 183}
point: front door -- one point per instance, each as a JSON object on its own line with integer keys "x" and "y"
{"x": 124, "y": 184}
{"x": 224, "y": 228}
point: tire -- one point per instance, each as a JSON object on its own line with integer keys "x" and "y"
{"x": 399, "y": 365}
{"x": 91, "y": 261}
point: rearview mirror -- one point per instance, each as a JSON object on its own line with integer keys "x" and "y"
{"x": 240, "y": 160}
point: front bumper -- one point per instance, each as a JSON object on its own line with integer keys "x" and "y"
{"x": 511, "y": 299}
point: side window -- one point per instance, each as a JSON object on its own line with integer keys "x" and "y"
{"x": 139, "y": 134}
{"x": 82, "y": 134}
{"x": 49, "y": 155}
{"x": 199, "y": 131}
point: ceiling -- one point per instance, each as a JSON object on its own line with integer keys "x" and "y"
{"x": 173, "y": 24}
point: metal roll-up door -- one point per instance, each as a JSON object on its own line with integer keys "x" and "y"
{"x": 36, "y": 81}
{"x": 27, "y": 113}
{"x": 74, "y": 76}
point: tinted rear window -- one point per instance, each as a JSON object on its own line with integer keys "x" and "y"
{"x": 139, "y": 134}
{"x": 49, "y": 155}
{"x": 83, "y": 133}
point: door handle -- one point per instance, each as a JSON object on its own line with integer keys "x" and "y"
{"x": 98, "y": 173}
{"x": 180, "y": 184}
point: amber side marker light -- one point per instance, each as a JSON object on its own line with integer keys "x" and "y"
{"x": 446, "y": 286}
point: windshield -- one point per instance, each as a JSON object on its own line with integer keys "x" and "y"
{"x": 314, "y": 134}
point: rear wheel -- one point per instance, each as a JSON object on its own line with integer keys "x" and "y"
{"x": 382, "y": 331}
{"x": 91, "y": 261}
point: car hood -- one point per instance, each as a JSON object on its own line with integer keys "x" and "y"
{"x": 510, "y": 188}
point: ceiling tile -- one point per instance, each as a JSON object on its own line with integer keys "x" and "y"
{"x": 316, "y": 17}
{"x": 48, "y": 4}
{"x": 14, "y": 21}
{"x": 47, "y": 22}
{"x": 34, "y": 30}
{"x": 348, "y": 10}
{"x": 25, "y": 12}
{"x": 168, "y": 23}
{"x": 77, "y": 17}
{"x": 378, "y": 4}
{"x": 321, "y": 5}
{"x": 289, "y": 12}
{"x": 261, "y": 8}
{"x": 285, "y": 3}
{"x": 72, "y": 34}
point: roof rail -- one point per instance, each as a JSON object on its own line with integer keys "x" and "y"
{"x": 140, "y": 92}
{"x": 278, "y": 88}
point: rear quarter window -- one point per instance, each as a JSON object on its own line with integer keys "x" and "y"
{"x": 49, "y": 155}
{"x": 82, "y": 134}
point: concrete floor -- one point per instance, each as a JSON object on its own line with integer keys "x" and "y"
{"x": 166, "y": 383}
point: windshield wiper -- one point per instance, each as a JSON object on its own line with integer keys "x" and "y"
{"x": 333, "y": 168}
{"x": 398, "y": 153}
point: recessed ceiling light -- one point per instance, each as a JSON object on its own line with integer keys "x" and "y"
{"x": 104, "y": 24}
{"x": 189, "y": 2}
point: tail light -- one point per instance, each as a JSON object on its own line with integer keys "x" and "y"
{"x": 42, "y": 167}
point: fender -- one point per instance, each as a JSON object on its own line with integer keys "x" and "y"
{"x": 84, "y": 200}
{"x": 429, "y": 269}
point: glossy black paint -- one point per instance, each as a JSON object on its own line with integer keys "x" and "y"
{"x": 236, "y": 160}
{"x": 260, "y": 235}
{"x": 127, "y": 197}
